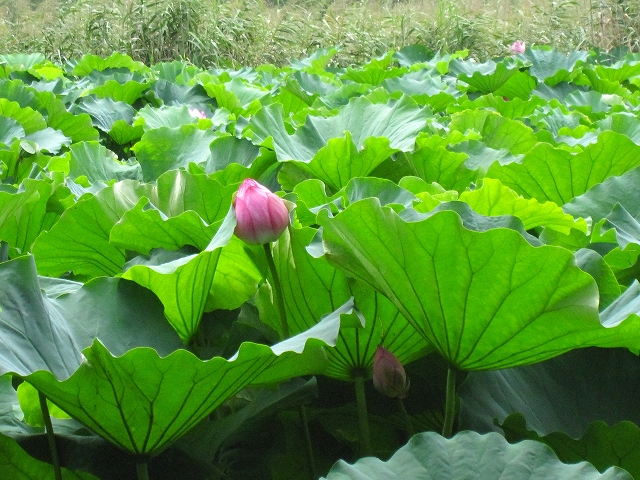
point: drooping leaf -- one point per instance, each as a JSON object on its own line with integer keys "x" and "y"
{"x": 484, "y": 300}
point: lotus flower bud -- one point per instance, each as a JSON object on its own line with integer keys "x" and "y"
{"x": 261, "y": 215}
{"x": 518, "y": 47}
{"x": 389, "y": 376}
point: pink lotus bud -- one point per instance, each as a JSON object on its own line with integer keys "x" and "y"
{"x": 194, "y": 112}
{"x": 518, "y": 47}
{"x": 389, "y": 376}
{"x": 262, "y": 216}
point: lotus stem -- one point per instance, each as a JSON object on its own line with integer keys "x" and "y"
{"x": 407, "y": 419}
{"x": 142, "y": 470}
{"x": 363, "y": 416}
{"x": 53, "y": 448}
{"x": 450, "y": 403}
{"x": 307, "y": 438}
{"x": 277, "y": 290}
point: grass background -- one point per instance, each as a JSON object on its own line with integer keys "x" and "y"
{"x": 234, "y": 33}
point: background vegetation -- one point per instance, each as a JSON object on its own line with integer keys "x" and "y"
{"x": 234, "y": 33}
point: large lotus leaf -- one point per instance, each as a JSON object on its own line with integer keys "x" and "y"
{"x": 602, "y": 445}
{"x": 484, "y": 300}
{"x": 93, "y": 161}
{"x": 425, "y": 88}
{"x": 552, "y": 66}
{"x": 88, "y": 63}
{"x": 497, "y": 131}
{"x": 42, "y": 332}
{"x": 23, "y": 213}
{"x": 143, "y": 402}
{"x": 128, "y": 92}
{"x": 564, "y": 394}
{"x": 486, "y": 77}
{"x": 623, "y": 224}
{"x": 10, "y": 130}
{"x": 340, "y": 160}
{"x": 624, "y": 123}
{"x": 237, "y": 96}
{"x": 16, "y": 464}
{"x": 440, "y": 165}
{"x": 28, "y": 118}
{"x": 79, "y": 241}
{"x": 182, "y": 282}
{"x": 472, "y": 456}
{"x": 23, "y": 60}
{"x": 164, "y": 149}
{"x": 550, "y": 174}
{"x": 105, "y": 112}
{"x": 399, "y": 122}
{"x": 596, "y": 266}
{"x": 598, "y": 202}
{"x": 47, "y": 140}
{"x": 165, "y": 116}
{"x": 76, "y": 127}
{"x": 173, "y": 94}
{"x": 145, "y": 227}
{"x": 493, "y": 198}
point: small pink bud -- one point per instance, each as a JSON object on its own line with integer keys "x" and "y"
{"x": 389, "y": 376}
{"x": 518, "y": 47}
{"x": 194, "y": 112}
{"x": 261, "y": 215}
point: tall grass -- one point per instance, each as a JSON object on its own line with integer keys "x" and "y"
{"x": 252, "y": 32}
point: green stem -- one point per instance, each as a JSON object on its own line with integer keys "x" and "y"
{"x": 307, "y": 438}
{"x": 363, "y": 417}
{"x": 450, "y": 403}
{"x": 53, "y": 448}
{"x": 407, "y": 418}
{"x": 277, "y": 290}
{"x": 142, "y": 470}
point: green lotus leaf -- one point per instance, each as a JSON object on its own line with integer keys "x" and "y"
{"x": 173, "y": 94}
{"x": 10, "y": 130}
{"x": 484, "y": 300}
{"x": 596, "y": 266}
{"x": 237, "y": 96}
{"x": 28, "y": 118}
{"x": 486, "y": 77}
{"x": 164, "y": 149}
{"x": 399, "y": 122}
{"x": 143, "y": 402}
{"x": 183, "y": 282}
{"x": 493, "y": 198}
{"x": 24, "y": 214}
{"x": 16, "y": 464}
{"x": 340, "y": 160}
{"x": 79, "y": 241}
{"x": 128, "y": 92}
{"x": 23, "y": 60}
{"x": 550, "y": 174}
{"x": 165, "y": 116}
{"x": 602, "y": 445}
{"x": 122, "y": 314}
{"x": 598, "y": 202}
{"x": 105, "y": 112}
{"x": 469, "y": 455}
{"x": 77, "y": 127}
{"x": 497, "y": 132}
{"x": 552, "y": 67}
{"x": 89, "y": 63}
{"x": 97, "y": 164}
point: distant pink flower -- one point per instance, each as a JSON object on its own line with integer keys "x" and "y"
{"x": 194, "y": 112}
{"x": 261, "y": 215}
{"x": 389, "y": 376}
{"x": 518, "y": 47}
